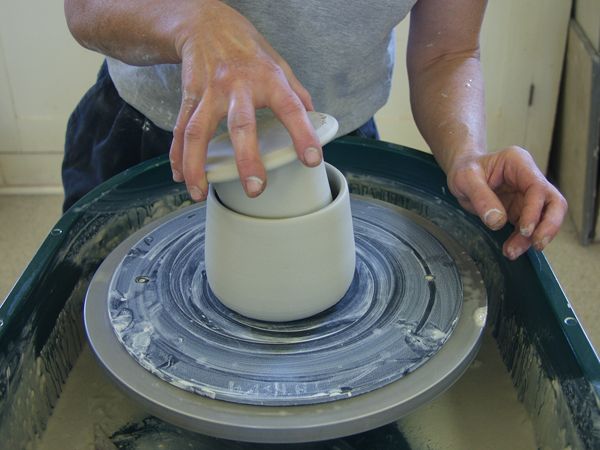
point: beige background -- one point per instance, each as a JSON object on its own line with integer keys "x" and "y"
{"x": 43, "y": 73}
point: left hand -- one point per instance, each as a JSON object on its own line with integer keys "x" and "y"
{"x": 507, "y": 185}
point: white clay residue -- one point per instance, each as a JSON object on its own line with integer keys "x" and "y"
{"x": 141, "y": 340}
{"x": 480, "y": 315}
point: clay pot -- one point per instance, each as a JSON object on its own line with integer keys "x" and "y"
{"x": 281, "y": 269}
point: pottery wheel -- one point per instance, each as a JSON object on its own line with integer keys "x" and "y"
{"x": 414, "y": 293}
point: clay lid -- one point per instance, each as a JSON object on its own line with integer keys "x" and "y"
{"x": 274, "y": 142}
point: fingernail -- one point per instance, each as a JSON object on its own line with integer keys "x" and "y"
{"x": 177, "y": 177}
{"x": 254, "y": 186}
{"x": 527, "y": 231}
{"x": 494, "y": 218}
{"x": 196, "y": 193}
{"x": 312, "y": 156}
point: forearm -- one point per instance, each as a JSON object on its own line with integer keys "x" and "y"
{"x": 138, "y": 34}
{"x": 446, "y": 84}
{"x": 447, "y": 99}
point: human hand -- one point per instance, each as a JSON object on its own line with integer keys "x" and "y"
{"x": 507, "y": 185}
{"x": 229, "y": 69}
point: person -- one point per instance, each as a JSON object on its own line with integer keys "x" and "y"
{"x": 183, "y": 66}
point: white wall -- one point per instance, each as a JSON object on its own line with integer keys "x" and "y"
{"x": 44, "y": 72}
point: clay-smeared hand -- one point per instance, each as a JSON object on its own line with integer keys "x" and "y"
{"x": 508, "y": 185}
{"x": 230, "y": 70}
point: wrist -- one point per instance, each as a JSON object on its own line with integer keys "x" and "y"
{"x": 455, "y": 142}
{"x": 190, "y": 21}
{"x": 462, "y": 159}
{"x": 458, "y": 156}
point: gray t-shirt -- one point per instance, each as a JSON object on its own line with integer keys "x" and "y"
{"x": 341, "y": 51}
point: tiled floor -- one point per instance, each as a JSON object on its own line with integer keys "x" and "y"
{"x": 25, "y": 221}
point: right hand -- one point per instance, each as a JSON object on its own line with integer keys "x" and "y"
{"x": 230, "y": 70}
{"x": 507, "y": 185}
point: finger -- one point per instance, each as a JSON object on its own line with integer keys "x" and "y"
{"x": 198, "y": 133}
{"x": 515, "y": 245}
{"x": 301, "y": 92}
{"x": 552, "y": 218}
{"x": 291, "y": 112}
{"x": 533, "y": 205}
{"x": 513, "y": 207}
{"x": 472, "y": 184}
{"x": 298, "y": 88}
{"x": 188, "y": 106}
{"x": 241, "y": 122}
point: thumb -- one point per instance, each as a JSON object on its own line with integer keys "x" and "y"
{"x": 473, "y": 188}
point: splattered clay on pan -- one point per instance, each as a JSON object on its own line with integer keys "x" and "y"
{"x": 400, "y": 309}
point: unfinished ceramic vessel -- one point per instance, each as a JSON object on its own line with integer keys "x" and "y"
{"x": 281, "y": 269}
{"x": 292, "y": 190}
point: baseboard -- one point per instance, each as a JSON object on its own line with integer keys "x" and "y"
{"x": 31, "y": 190}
